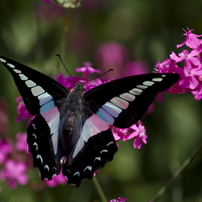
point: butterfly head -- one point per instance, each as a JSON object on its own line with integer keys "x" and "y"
{"x": 79, "y": 88}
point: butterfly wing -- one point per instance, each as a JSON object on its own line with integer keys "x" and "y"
{"x": 124, "y": 101}
{"x": 94, "y": 147}
{"x": 42, "y": 97}
{"x": 37, "y": 90}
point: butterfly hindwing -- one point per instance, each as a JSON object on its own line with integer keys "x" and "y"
{"x": 41, "y": 146}
{"x": 97, "y": 150}
{"x": 124, "y": 101}
{"x": 89, "y": 142}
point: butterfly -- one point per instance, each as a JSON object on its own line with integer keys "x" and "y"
{"x": 70, "y": 130}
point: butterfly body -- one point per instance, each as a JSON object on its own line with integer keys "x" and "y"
{"x": 70, "y": 130}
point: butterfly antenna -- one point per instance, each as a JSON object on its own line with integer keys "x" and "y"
{"x": 65, "y": 67}
{"x": 101, "y": 75}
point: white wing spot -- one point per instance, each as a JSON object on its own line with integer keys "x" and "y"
{"x": 97, "y": 158}
{"x": 68, "y": 171}
{"x": 77, "y": 173}
{"x": 46, "y": 167}
{"x": 148, "y": 83}
{"x": 112, "y": 109}
{"x": 135, "y": 91}
{"x": 54, "y": 168}
{"x": 17, "y": 71}
{"x": 110, "y": 143}
{"x": 34, "y": 135}
{"x": 157, "y": 79}
{"x": 104, "y": 150}
{"x": 3, "y": 60}
{"x": 127, "y": 96}
{"x": 11, "y": 65}
{"x": 119, "y": 102}
{"x": 142, "y": 86}
{"x": 44, "y": 98}
{"x": 37, "y": 90}
{"x": 34, "y": 126}
{"x": 35, "y": 144}
{"x": 40, "y": 157}
{"x": 23, "y": 77}
{"x": 163, "y": 75}
{"x": 30, "y": 83}
{"x": 87, "y": 167}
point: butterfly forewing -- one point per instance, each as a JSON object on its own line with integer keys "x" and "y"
{"x": 124, "y": 101}
{"x": 38, "y": 91}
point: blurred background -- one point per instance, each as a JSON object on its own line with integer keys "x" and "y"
{"x": 110, "y": 34}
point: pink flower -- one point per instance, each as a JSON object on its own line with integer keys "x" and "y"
{"x": 112, "y": 56}
{"x": 119, "y": 199}
{"x": 3, "y": 116}
{"x": 135, "y": 68}
{"x": 57, "y": 179}
{"x": 13, "y": 173}
{"x": 5, "y": 149}
{"x": 67, "y": 81}
{"x": 139, "y": 134}
{"x": 22, "y": 110}
{"x": 87, "y": 70}
{"x": 46, "y": 0}
{"x": 21, "y": 144}
{"x": 112, "y": 53}
{"x": 191, "y": 72}
{"x": 191, "y": 39}
{"x": 70, "y": 82}
{"x": 136, "y": 131}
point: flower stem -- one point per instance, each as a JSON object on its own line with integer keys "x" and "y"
{"x": 63, "y": 44}
{"x": 99, "y": 189}
{"x": 177, "y": 173}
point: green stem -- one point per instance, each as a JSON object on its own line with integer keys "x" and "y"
{"x": 99, "y": 189}
{"x": 177, "y": 173}
{"x": 63, "y": 44}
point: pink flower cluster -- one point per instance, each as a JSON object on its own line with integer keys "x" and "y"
{"x": 136, "y": 131}
{"x": 119, "y": 199}
{"x": 191, "y": 62}
{"x": 12, "y": 169}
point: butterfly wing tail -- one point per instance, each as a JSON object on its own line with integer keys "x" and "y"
{"x": 99, "y": 150}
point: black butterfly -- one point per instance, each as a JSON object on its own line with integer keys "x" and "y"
{"x": 70, "y": 130}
